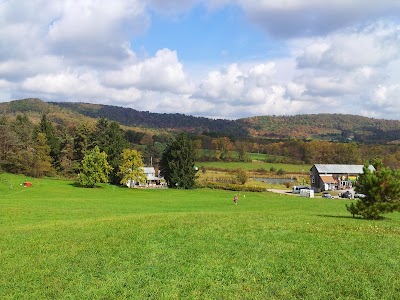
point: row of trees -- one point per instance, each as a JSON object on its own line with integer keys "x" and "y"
{"x": 44, "y": 149}
{"x": 299, "y": 151}
{"x": 176, "y": 165}
{"x": 98, "y": 153}
{"x": 102, "y": 153}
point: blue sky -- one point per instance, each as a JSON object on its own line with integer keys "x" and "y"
{"x": 201, "y": 36}
{"x": 213, "y": 58}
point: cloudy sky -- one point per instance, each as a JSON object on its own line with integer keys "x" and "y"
{"x": 212, "y": 58}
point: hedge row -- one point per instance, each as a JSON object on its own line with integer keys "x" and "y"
{"x": 230, "y": 187}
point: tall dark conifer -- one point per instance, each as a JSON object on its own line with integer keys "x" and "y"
{"x": 110, "y": 138}
{"x": 177, "y": 163}
{"x": 47, "y": 128}
{"x": 381, "y": 190}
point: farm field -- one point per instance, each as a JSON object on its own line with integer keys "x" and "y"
{"x": 61, "y": 241}
{"x": 253, "y": 166}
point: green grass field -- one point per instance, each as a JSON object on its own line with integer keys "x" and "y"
{"x": 253, "y": 166}
{"x": 59, "y": 241}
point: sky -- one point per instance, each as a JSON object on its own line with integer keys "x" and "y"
{"x": 225, "y": 59}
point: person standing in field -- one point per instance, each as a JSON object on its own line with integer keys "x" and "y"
{"x": 235, "y": 199}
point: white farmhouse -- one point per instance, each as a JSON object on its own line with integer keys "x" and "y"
{"x": 151, "y": 179}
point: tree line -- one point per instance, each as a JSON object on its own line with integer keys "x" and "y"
{"x": 46, "y": 148}
{"x": 102, "y": 152}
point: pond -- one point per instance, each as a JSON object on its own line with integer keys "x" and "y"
{"x": 274, "y": 180}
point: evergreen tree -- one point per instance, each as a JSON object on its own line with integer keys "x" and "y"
{"x": 131, "y": 169}
{"x": 67, "y": 156}
{"x": 81, "y": 142}
{"x": 381, "y": 188}
{"x": 110, "y": 138}
{"x": 42, "y": 159}
{"x": 47, "y": 128}
{"x": 21, "y": 159}
{"x": 177, "y": 163}
{"x": 94, "y": 168}
{"x": 8, "y": 144}
{"x": 149, "y": 153}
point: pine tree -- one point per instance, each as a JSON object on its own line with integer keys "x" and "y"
{"x": 81, "y": 142}
{"x": 177, "y": 163}
{"x": 42, "y": 159}
{"x": 110, "y": 138}
{"x": 47, "y": 128}
{"x": 381, "y": 188}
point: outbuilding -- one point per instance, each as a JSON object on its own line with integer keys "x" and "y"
{"x": 327, "y": 177}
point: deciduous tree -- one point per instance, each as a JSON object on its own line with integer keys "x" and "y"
{"x": 94, "y": 168}
{"x": 131, "y": 169}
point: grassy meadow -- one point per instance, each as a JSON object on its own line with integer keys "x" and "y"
{"x": 59, "y": 241}
{"x": 254, "y": 166}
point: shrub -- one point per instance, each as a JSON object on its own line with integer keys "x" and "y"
{"x": 242, "y": 176}
{"x": 280, "y": 172}
{"x": 230, "y": 187}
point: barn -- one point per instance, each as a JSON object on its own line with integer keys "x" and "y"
{"x": 328, "y": 177}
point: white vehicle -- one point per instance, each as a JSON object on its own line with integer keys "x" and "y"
{"x": 297, "y": 188}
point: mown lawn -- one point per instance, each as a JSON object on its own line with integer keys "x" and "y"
{"x": 61, "y": 241}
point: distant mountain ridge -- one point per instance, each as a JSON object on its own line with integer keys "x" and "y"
{"x": 335, "y": 127}
{"x": 132, "y": 117}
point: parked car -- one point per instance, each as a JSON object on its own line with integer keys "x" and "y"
{"x": 326, "y": 195}
{"x": 347, "y": 195}
{"x": 359, "y": 195}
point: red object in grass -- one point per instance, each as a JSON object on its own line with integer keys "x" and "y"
{"x": 27, "y": 183}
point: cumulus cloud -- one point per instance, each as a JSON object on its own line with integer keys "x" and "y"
{"x": 342, "y": 56}
{"x": 172, "y": 7}
{"x": 96, "y": 31}
{"x": 161, "y": 72}
{"x": 295, "y": 18}
{"x": 375, "y": 45}
{"x": 83, "y": 32}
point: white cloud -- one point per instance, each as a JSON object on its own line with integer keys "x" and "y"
{"x": 161, "y": 72}
{"x": 376, "y": 45}
{"x": 344, "y": 56}
{"x": 314, "y": 17}
{"x": 93, "y": 31}
{"x": 17, "y": 68}
{"x": 386, "y": 96}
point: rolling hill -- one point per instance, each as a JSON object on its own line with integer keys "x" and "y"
{"x": 336, "y": 127}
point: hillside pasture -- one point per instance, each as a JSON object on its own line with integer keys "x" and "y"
{"x": 62, "y": 241}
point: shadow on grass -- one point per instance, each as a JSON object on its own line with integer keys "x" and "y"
{"x": 341, "y": 217}
{"x": 355, "y": 217}
{"x": 78, "y": 185}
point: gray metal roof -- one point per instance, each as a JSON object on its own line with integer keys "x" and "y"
{"x": 339, "y": 169}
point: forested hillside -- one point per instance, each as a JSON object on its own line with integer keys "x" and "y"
{"x": 325, "y": 127}
{"x": 332, "y": 127}
{"x": 39, "y": 138}
{"x": 132, "y": 117}
{"x": 329, "y": 127}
